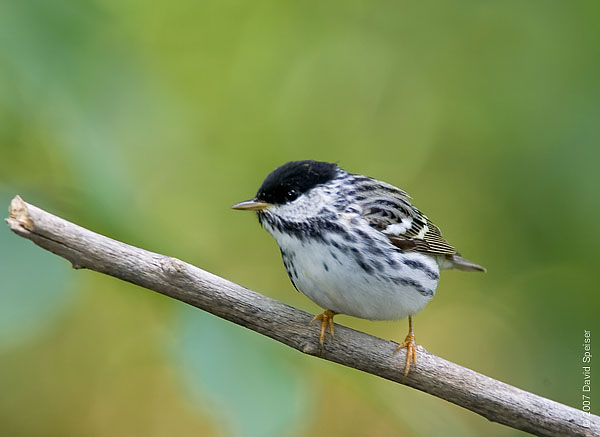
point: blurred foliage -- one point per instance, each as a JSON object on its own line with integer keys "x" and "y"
{"x": 145, "y": 121}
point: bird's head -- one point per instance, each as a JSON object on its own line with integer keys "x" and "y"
{"x": 288, "y": 187}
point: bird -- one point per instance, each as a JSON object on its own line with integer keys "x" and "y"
{"x": 353, "y": 244}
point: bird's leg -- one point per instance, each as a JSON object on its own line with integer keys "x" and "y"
{"x": 326, "y": 319}
{"x": 411, "y": 347}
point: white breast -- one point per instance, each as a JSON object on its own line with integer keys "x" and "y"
{"x": 330, "y": 274}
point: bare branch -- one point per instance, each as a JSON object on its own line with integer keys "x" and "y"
{"x": 495, "y": 400}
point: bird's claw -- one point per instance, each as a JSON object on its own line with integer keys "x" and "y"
{"x": 411, "y": 351}
{"x": 326, "y": 318}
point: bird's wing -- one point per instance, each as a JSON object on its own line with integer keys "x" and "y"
{"x": 388, "y": 209}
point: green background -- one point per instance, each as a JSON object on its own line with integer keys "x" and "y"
{"x": 146, "y": 121}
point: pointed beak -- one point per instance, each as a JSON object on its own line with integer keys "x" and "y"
{"x": 251, "y": 205}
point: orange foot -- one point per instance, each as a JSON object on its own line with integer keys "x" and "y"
{"x": 326, "y": 319}
{"x": 411, "y": 347}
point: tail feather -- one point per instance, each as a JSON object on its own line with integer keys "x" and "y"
{"x": 465, "y": 265}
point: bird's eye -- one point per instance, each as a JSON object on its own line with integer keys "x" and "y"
{"x": 291, "y": 195}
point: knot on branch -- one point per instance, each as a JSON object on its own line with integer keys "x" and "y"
{"x": 173, "y": 266}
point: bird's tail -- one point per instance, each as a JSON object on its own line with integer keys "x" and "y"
{"x": 465, "y": 265}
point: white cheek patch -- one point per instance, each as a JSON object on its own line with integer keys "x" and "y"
{"x": 305, "y": 206}
{"x": 399, "y": 228}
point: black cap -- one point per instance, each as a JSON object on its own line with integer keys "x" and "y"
{"x": 286, "y": 183}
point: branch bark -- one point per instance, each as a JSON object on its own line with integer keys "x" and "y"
{"x": 495, "y": 400}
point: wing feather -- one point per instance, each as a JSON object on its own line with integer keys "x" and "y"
{"x": 388, "y": 209}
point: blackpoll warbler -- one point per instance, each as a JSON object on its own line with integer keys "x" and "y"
{"x": 354, "y": 245}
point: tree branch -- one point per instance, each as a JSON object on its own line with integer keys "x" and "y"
{"x": 495, "y": 400}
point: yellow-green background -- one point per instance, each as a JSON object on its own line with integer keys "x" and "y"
{"x": 146, "y": 121}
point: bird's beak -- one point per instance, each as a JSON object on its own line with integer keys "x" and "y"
{"x": 251, "y": 205}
